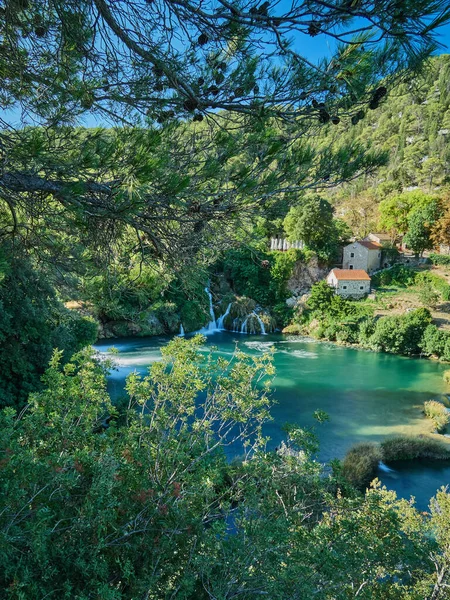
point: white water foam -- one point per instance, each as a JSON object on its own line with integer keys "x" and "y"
{"x": 261, "y": 346}
{"x": 384, "y": 468}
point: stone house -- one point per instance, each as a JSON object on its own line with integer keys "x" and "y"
{"x": 362, "y": 255}
{"x": 349, "y": 283}
{"x": 379, "y": 238}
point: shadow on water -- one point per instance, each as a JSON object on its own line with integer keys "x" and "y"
{"x": 368, "y": 396}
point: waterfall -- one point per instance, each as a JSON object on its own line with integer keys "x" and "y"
{"x": 384, "y": 467}
{"x": 212, "y": 325}
{"x": 218, "y": 324}
{"x": 211, "y": 309}
{"x": 244, "y": 325}
{"x": 181, "y": 334}
{"x": 220, "y": 320}
{"x": 261, "y": 324}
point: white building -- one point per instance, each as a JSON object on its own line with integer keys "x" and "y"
{"x": 349, "y": 283}
{"x": 283, "y": 244}
{"x": 363, "y": 255}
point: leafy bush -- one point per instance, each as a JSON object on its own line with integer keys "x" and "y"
{"x": 440, "y": 259}
{"x": 367, "y": 327}
{"x": 437, "y": 412}
{"x": 262, "y": 276}
{"x": 32, "y": 323}
{"x": 397, "y": 275}
{"x": 409, "y": 447}
{"x": 435, "y": 342}
{"x": 401, "y": 334}
{"x": 432, "y": 282}
{"x": 360, "y": 464}
{"x": 428, "y": 297}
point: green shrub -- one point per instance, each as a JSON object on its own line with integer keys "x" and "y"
{"x": 409, "y": 447}
{"x": 193, "y": 315}
{"x": 438, "y": 414}
{"x": 401, "y": 334}
{"x": 32, "y": 323}
{"x": 366, "y": 329}
{"x": 440, "y": 259}
{"x": 434, "y": 283}
{"x": 360, "y": 464}
{"x": 428, "y": 296}
{"x": 397, "y": 275}
{"x": 347, "y": 333}
{"x": 262, "y": 276}
{"x": 433, "y": 341}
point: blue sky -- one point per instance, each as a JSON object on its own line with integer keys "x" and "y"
{"x": 314, "y": 48}
{"x": 320, "y": 46}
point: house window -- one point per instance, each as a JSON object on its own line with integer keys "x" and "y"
{"x": 350, "y": 266}
{"x": 352, "y": 255}
{"x": 379, "y": 254}
{"x": 344, "y": 287}
{"x": 361, "y": 287}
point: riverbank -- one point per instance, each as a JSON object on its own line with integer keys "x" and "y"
{"x": 364, "y": 461}
{"x": 383, "y": 321}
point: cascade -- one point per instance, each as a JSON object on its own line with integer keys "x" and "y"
{"x": 212, "y": 325}
{"x": 218, "y": 324}
{"x": 244, "y": 325}
{"x": 220, "y": 320}
{"x": 261, "y": 324}
{"x": 181, "y": 334}
{"x": 384, "y": 467}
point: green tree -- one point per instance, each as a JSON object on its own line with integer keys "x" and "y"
{"x": 144, "y": 502}
{"x": 321, "y": 297}
{"x": 174, "y": 180}
{"x": 311, "y": 221}
{"x": 420, "y": 227}
{"x": 396, "y": 211}
{"x": 401, "y": 334}
{"x": 32, "y": 323}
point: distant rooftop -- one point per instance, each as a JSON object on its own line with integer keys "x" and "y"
{"x": 370, "y": 245}
{"x": 351, "y": 274}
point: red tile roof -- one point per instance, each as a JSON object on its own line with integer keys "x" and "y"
{"x": 351, "y": 274}
{"x": 371, "y": 245}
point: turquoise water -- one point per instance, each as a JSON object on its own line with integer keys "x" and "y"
{"x": 367, "y": 395}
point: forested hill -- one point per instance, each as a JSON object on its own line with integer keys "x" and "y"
{"x": 413, "y": 125}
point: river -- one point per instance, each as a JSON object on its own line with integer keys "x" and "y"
{"x": 367, "y": 395}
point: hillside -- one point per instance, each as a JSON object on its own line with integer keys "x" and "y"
{"x": 413, "y": 125}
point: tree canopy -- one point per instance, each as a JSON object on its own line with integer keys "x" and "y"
{"x": 255, "y": 100}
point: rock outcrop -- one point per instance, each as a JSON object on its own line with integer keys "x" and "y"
{"x": 305, "y": 275}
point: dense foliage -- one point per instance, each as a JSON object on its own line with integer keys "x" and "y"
{"x": 143, "y": 503}
{"x": 413, "y": 126}
{"x": 262, "y": 276}
{"x": 32, "y": 323}
{"x": 338, "y": 319}
{"x": 311, "y": 221}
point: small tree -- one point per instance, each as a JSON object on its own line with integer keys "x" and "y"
{"x": 321, "y": 297}
{"x": 310, "y": 221}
